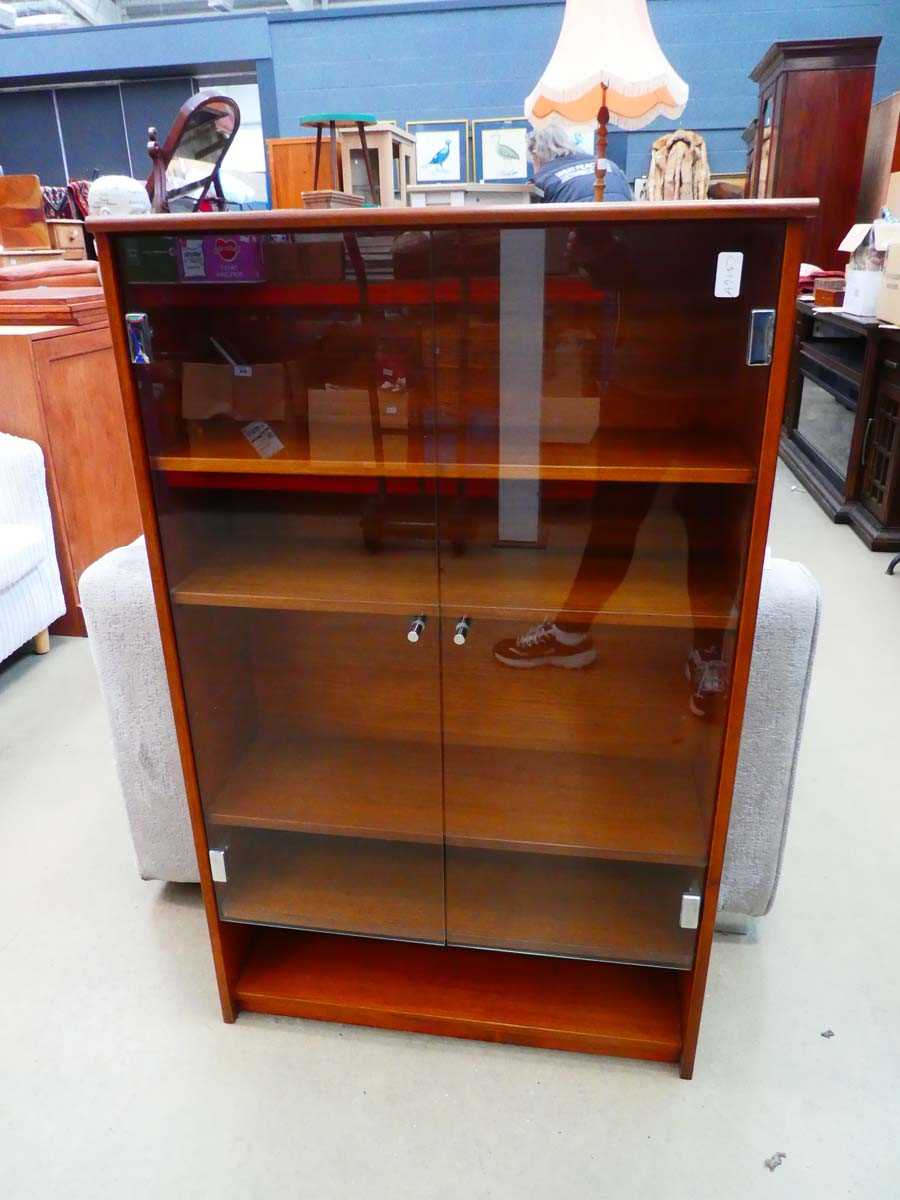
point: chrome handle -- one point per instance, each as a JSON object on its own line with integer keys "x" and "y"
{"x": 416, "y": 629}
{"x": 462, "y": 631}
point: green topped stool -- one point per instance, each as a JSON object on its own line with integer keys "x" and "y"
{"x": 336, "y": 121}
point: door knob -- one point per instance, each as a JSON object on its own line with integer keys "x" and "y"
{"x": 462, "y": 631}
{"x": 416, "y": 629}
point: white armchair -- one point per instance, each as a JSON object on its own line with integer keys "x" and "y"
{"x": 31, "y": 594}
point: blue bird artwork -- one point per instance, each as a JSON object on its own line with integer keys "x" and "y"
{"x": 440, "y": 156}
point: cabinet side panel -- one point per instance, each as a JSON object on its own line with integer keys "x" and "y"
{"x": 83, "y": 412}
{"x": 696, "y": 982}
{"x": 230, "y": 943}
{"x": 824, "y": 158}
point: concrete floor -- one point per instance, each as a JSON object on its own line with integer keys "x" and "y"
{"x": 117, "y": 1078}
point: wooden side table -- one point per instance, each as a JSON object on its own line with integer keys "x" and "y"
{"x": 336, "y": 122}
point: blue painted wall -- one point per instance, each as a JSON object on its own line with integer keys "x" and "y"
{"x": 455, "y": 58}
{"x": 482, "y": 59}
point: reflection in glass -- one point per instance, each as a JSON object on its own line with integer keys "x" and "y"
{"x": 826, "y": 422}
{"x": 455, "y": 531}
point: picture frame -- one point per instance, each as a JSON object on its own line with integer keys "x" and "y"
{"x": 500, "y": 150}
{"x": 441, "y": 151}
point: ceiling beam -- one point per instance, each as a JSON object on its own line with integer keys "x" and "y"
{"x": 97, "y": 12}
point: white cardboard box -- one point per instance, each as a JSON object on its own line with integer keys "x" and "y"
{"x": 863, "y": 287}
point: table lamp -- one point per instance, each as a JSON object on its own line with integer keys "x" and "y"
{"x": 607, "y": 67}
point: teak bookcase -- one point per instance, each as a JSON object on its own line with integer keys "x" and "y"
{"x": 377, "y": 452}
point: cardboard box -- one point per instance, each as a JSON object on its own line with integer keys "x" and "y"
{"x": 220, "y": 258}
{"x": 887, "y": 308}
{"x": 257, "y": 393}
{"x": 869, "y": 240}
{"x": 318, "y": 260}
{"x": 340, "y": 424}
{"x": 861, "y": 294}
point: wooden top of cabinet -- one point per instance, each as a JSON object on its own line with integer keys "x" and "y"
{"x": 425, "y": 218}
{"x": 819, "y": 54}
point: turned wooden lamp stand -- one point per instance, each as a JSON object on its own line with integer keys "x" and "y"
{"x": 606, "y": 66}
{"x": 600, "y": 143}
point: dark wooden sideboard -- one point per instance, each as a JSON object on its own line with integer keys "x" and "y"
{"x": 813, "y": 118}
{"x": 372, "y": 456}
{"x": 841, "y": 432}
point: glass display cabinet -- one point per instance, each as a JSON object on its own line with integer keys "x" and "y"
{"x": 456, "y": 523}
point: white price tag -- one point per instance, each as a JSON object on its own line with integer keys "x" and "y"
{"x": 192, "y": 262}
{"x": 263, "y": 438}
{"x": 728, "y": 274}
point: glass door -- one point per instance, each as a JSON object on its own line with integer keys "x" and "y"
{"x": 598, "y": 429}
{"x": 286, "y": 392}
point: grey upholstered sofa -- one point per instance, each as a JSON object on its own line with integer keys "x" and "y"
{"x": 118, "y": 606}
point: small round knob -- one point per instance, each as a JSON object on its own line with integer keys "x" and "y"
{"x": 416, "y": 629}
{"x": 462, "y": 631}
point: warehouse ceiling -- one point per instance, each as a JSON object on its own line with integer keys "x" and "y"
{"x": 17, "y": 16}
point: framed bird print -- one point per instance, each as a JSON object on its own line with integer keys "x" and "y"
{"x": 442, "y": 150}
{"x": 501, "y": 150}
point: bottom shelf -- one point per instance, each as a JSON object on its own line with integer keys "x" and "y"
{"x": 595, "y": 1008}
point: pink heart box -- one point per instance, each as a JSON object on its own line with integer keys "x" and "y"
{"x": 220, "y": 258}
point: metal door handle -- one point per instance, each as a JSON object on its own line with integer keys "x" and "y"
{"x": 462, "y": 631}
{"x": 417, "y": 628}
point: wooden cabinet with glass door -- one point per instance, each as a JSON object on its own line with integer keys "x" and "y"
{"x": 456, "y": 524}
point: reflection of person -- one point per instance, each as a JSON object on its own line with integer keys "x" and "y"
{"x": 567, "y": 643}
{"x": 565, "y": 175}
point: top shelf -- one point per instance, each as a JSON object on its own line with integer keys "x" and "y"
{"x": 300, "y": 220}
{"x": 612, "y": 456}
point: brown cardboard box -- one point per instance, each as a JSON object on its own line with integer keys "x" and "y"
{"x": 340, "y": 424}
{"x": 887, "y": 307}
{"x": 892, "y": 201}
{"x": 319, "y": 260}
{"x": 216, "y": 389}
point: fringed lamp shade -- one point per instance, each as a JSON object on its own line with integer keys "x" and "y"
{"x": 607, "y": 67}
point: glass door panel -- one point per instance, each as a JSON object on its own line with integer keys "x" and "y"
{"x": 597, "y": 433}
{"x": 287, "y": 405}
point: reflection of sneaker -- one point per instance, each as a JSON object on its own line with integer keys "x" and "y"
{"x": 708, "y": 676}
{"x": 546, "y": 646}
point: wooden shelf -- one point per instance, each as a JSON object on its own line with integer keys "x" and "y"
{"x": 843, "y": 356}
{"x": 576, "y": 907}
{"x": 314, "y": 575}
{"x": 495, "y": 581}
{"x": 581, "y": 804}
{"x": 564, "y": 1005}
{"x": 613, "y": 456}
{"x": 362, "y": 789}
{"x": 578, "y": 805}
{"x": 342, "y": 885}
{"x": 342, "y": 576}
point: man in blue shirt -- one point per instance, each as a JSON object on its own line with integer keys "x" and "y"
{"x": 564, "y": 174}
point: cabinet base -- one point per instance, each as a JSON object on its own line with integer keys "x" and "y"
{"x": 559, "y": 1004}
{"x": 872, "y": 532}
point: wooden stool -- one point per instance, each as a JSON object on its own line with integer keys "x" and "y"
{"x": 336, "y": 121}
